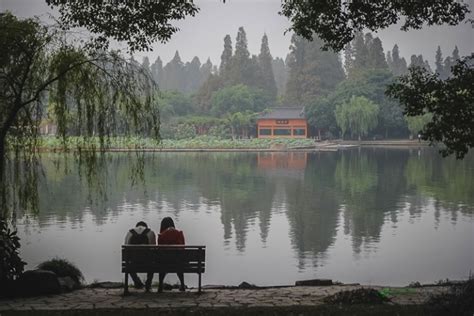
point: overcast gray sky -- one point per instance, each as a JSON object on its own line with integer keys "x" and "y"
{"x": 203, "y": 34}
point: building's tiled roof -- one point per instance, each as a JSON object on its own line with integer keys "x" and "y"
{"x": 284, "y": 113}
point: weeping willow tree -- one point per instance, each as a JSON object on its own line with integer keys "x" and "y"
{"x": 358, "y": 116}
{"x": 94, "y": 92}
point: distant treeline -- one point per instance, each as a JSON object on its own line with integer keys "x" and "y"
{"x": 343, "y": 94}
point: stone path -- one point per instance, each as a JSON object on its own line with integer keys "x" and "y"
{"x": 284, "y": 298}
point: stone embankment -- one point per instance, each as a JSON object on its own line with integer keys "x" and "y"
{"x": 292, "y": 300}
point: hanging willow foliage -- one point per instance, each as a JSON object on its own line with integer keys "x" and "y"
{"x": 90, "y": 92}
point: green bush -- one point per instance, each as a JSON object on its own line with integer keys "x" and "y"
{"x": 11, "y": 265}
{"x": 62, "y": 268}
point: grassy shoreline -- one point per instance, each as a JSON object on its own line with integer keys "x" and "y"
{"x": 208, "y": 143}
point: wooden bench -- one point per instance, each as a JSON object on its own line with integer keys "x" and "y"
{"x": 163, "y": 259}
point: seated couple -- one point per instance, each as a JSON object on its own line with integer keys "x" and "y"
{"x": 142, "y": 235}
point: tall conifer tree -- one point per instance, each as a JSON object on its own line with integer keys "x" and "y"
{"x": 157, "y": 70}
{"x": 399, "y": 67}
{"x": 376, "y": 55}
{"x": 388, "y": 57}
{"x": 226, "y": 59}
{"x": 361, "y": 52}
{"x": 241, "y": 63}
{"x": 266, "y": 70}
{"x": 173, "y": 76}
{"x": 455, "y": 55}
{"x": 192, "y": 75}
{"x": 295, "y": 62}
{"x": 206, "y": 70}
{"x": 439, "y": 64}
{"x": 146, "y": 64}
{"x": 313, "y": 72}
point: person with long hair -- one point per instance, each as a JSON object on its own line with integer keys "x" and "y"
{"x": 169, "y": 235}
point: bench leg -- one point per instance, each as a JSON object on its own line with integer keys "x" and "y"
{"x": 199, "y": 289}
{"x": 125, "y": 288}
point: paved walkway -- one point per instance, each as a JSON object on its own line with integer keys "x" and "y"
{"x": 283, "y": 299}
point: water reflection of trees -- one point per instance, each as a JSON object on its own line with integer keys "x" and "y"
{"x": 449, "y": 182}
{"x": 371, "y": 190}
{"x": 179, "y": 182}
{"x": 313, "y": 209}
{"x": 365, "y": 188}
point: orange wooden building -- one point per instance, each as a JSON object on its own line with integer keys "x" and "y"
{"x": 283, "y": 122}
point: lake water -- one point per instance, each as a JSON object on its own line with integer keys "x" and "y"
{"x": 373, "y": 216}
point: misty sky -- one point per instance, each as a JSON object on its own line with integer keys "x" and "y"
{"x": 203, "y": 34}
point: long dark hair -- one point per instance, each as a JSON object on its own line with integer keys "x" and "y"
{"x": 166, "y": 223}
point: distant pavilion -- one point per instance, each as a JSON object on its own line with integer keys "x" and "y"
{"x": 282, "y": 122}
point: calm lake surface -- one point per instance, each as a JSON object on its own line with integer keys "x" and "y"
{"x": 373, "y": 216}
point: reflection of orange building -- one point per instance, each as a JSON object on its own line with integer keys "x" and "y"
{"x": 283, "y": 122}
{"x": 288, "y": 160}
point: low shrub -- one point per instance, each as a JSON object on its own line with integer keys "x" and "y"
{"x": 62, "y": 268}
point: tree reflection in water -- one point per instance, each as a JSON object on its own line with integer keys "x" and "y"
{"x": 353, "y": 191}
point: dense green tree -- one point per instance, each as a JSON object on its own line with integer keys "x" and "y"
{"x": 267, "y": 79}
{"x": 192, "y": 75}
{"x": 376, "y": 55}
{"x": 174, "y": 103}
{"x": 295, "y": 62}
{"x": 146, "y": 64}
{"x": 320, "y": 114}
{"x": 312, "y": 71}
{"x": 241, "y": 64}
{"x": 449, "y": 62}
{"x": 157, "y": 70}
{"x": 450, "y": 102}
{"x": 370, "y": 84}
{"x": 358, "y": 116}
{"x": 418, "y": 61}
{"x": 241, "y": 123}
{"x": 203, "y": 97}
{"x": 138, "y": 23}
{"x": 226, "y": 59}
{"x": 206, "y": 70}
{"x": 173, "y": 74}
{"x": 238, "y": 98}
{"x": 417, "y": 123}
{"x": 398, "y": 65}
{"x": 338, "y": 22}
{"x": 361, "y": 53}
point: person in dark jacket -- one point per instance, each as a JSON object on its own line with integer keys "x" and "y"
{"x": 169, "y": 235}
{"x": 141, "y": 235}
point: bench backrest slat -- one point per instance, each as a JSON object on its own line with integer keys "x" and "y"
{"x": 152, "y": 258}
